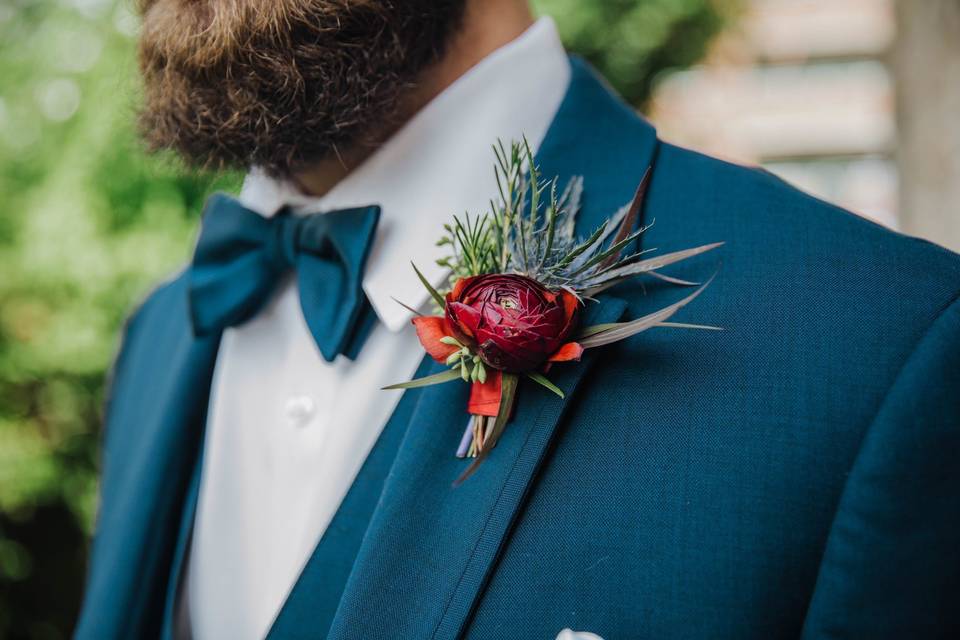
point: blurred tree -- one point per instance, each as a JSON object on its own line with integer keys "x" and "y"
{"x": 633, "y": 41}
{"x": 88, "y": 223}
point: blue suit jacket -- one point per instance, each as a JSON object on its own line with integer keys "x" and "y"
{"x": 795, "y": 475}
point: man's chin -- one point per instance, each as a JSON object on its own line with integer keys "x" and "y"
{"x": 230, "y": 84}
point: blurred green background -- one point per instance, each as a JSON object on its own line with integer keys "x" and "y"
{"x": 88, "y": 223}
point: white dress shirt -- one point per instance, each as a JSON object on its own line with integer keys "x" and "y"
{"x": 287, "y": 432}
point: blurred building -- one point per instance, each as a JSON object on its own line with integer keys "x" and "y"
{"x": 804, "y": 88}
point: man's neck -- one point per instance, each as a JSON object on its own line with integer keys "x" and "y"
{"x": 487, "y": 26}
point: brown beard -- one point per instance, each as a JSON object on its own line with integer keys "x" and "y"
{"x": 282, "y": 83}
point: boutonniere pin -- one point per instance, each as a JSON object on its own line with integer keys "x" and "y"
{"x": 520, "y": 278}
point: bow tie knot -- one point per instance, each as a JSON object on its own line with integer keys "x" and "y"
{"x": 292, "y": 234}
{"x": 241, "y": 256}
{"x": 282, "y": 244}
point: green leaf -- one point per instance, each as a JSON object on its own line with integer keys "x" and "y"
{"x": 508, "y": 391}
{"x": 610, "y": 252}
{"x": 437, "y": 378}
{"x": 539, "y": 378}
{"x": 433, "y": 292}
{"x": 407, "y": 307}
{"x": 586, "y": 244}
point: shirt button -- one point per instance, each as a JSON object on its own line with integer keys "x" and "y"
{"x": 300, "y": 410}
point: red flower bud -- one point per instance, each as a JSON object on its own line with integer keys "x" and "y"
{"x": 513, "y": 322}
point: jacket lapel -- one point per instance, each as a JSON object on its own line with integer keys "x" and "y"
{"x": 153, "y": 427}
{"x": 430, "y": 548}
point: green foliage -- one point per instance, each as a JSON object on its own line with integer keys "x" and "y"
{"x": 88, "y": 224}
{"x": 472, "y": 249}
{"x": 531, "y": 232}
{"x": 632, "y": 41}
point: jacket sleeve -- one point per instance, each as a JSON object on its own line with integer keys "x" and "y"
{"x": 891, "y": 566}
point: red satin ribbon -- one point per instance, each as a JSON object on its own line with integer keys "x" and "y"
{"x": 485, "y": 397}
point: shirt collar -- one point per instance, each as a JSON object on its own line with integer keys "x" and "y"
{"x": 439, "y": 164}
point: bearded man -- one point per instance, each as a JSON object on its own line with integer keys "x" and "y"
{"x": 794, "y": 475}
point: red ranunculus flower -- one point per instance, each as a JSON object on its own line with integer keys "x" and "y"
{"x": 514, "y": 323}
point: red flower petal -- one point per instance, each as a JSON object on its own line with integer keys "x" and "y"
{"x": 466, "y": 319}
{"x": 458, "y": 288}
{"x": 512, "y": 321}
{"x": 485, "y": 397}
{"x": 429, "y": 330}
{"x": 571, "y": 305}
{"x": 569, "y": 351}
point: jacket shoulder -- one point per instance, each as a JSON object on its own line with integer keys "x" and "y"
{"x": 772, "y": 224}
{"x": 162, "y": 311}
{"x": 154, "y": 332}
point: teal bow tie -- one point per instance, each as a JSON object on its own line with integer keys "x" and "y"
{"x": 241, "y": 256}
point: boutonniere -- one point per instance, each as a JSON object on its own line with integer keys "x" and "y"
{"x": 520, "y": 278}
